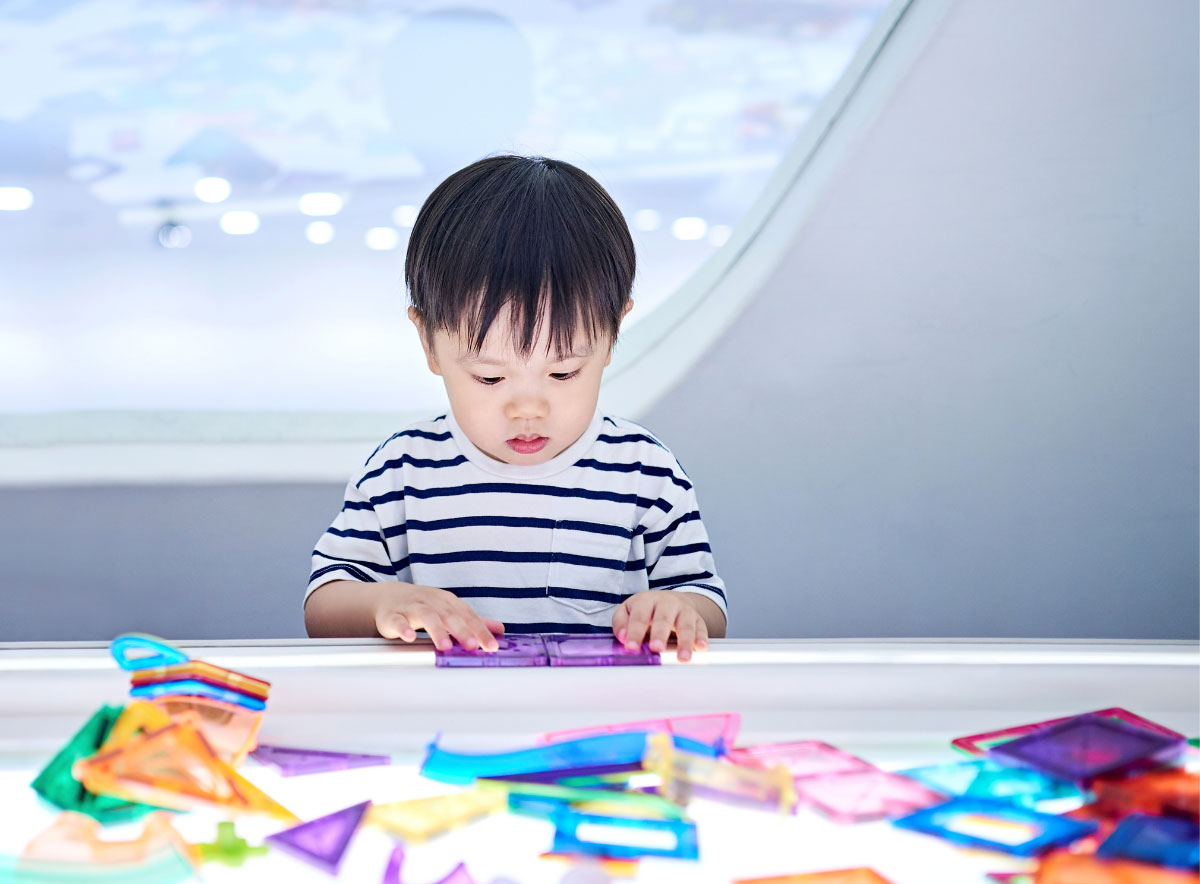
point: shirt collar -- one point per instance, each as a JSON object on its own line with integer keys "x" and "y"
{"x": 556, "y": 464}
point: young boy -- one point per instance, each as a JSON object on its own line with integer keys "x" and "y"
{"x": 523, "y": 508}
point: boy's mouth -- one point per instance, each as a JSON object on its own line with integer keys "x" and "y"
{"x": 526, "y": 444}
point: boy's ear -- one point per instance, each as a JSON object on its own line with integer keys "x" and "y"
{"x": 624, "y": 313}
{"x": 430, "y": 357}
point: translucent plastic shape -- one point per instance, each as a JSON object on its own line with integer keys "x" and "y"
{"x": 1069, "y": 868}
{"x": 231, "y": 730}
{"x": 1173, "y": 791}
{"x": 591, "y": 650}
{"x": 391, "y": 874}
{"x": 623, "y": 837}
{"x": 802, "y": 759}
{"x": 719, "y": 730}
{"x": 57, "y": 784}
{"x": 549, "y": 797}
{"x": 292, "y": 762}
{"x": 1163, "y": 841}
{"x": 76, "y": 837}
{"x": 979, "y": 744}
{"x": 685, "y": 776}
{"x": 860, "y": 796}
{"x": 175, "y": 768}
{"x": 513, "y": 650}
{"x": 986, "y": 779}
{"x": 322, "y": 842}
{"x": 837, "y": 876}
{"x": 192, "y": 687}
{"x": 229, "y": 849}
{"x": 205, "y": 672}
{"x": 136, "y": 650}
{"x": 996, "y": 825}
{"x": 1089, "y": 746}
{"x": 420, "y": 819}
{"x": 605, "y": 752}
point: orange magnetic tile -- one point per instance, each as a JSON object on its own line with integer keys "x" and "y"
{"x": 75, "y": 838}
{"x": 202, "y": 671}
{"x": 176, "y": 768}
{"x": 137, "y": 717}
{"x": 618, "y": 868}
{"x": 1070, "y": 868}
{"x": 1173, "y": 791}
{"x": 231, "y": 731}
{"x": 837, "y": 876}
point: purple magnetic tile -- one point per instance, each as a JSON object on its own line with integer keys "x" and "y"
{"x": 808, "y": 758}
{"x": 322, "y": 842}
{"x": 1089, "y": 746}
{"x": 514, "y": 650}
{"x": 865, "y": 795}
{"x": 292, "y": 762}
{"x": 391, "y": 874}
{"x": 593, "y": 650}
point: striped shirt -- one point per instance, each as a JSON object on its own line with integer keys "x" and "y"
{"x": 552, "y": 547}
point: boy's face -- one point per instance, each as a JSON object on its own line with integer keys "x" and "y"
{"x": 516, "y": 410}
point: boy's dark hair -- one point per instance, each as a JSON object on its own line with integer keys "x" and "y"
{"x": 538, "y": 234}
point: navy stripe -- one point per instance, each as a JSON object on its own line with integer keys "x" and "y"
{"x": 561, "y": 628}
{"x": 419, "y": 462}
{"x": 656, "y": 536}
{"x": 512, "y": 592}
{"x": 491, "y": 555}
{"x": 413, "y": 434}
{"x": 639, "y": 565}
{"x": 356, "y": 505}
{"x": 374, "y": 566}
{"x": 644, "y": 469}
{"x": 518, "y": 522}
{"x": 513, "y": 488}
{"x": 631, "y": 437}
{"x": 358, "y": 575}
{"x": 686, "y": 550}
{"x": 355, "y": 533}
{"x": 707, "y": 586}
{"x": 674, "y": 582}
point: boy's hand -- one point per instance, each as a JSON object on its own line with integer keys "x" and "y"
{"x": 409, "y": 607}
{"x": 660, "y": 612}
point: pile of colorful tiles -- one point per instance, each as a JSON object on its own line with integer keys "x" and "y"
{"x": 613, "y": 794}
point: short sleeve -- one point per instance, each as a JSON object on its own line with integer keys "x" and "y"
{"x": 678, "y": 555}
{"x": 359, "y": 546}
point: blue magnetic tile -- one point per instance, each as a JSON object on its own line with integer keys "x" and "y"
{"x": 1164, "y": 841}
{"x": 986, "y": 779}
{"x": 959, "y": 819}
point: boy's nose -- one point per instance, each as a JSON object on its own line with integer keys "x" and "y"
{"x": 525, "y": 407}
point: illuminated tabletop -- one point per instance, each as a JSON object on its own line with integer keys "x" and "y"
{"x": 896, "y": 703}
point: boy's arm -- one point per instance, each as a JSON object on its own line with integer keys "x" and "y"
{"x": 391, "y": 609}
{"x": 359, "y": 582}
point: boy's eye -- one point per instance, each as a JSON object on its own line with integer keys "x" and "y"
{"x": 489, "y": 381}
{"x": 564, "y": 375}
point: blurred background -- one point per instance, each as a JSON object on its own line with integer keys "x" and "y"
{"x": 925, "y": 272}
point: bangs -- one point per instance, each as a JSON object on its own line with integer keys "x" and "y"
{"x": 538, "y": 236}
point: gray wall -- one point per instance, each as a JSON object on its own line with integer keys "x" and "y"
{"x": 966, "y": 404}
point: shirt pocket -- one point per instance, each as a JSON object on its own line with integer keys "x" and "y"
{"x": 587, "y": 565}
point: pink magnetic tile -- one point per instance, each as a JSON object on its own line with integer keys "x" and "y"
{"x": 978, "y": 744}
{"x": 807, "y": 758}
{"x": 717, "y": 729}
{"x": 865, "y": 795}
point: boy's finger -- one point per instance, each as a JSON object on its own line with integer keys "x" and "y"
{"x": 495, "y": 627}
{"x": 685, "y": 637}
{"x": 478, "y": 632}
{"x": 396, "y": 625}
{"x": 635, "y": 631}
{"x": 619, "y": 622}
{"x": 432, "y": 623}
{"x": 701, "y": 635}
{"x": 462, "y": 632}
{"x": 660, "y": 630}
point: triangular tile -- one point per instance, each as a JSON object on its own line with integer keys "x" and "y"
{"x": 323, "y": 841}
